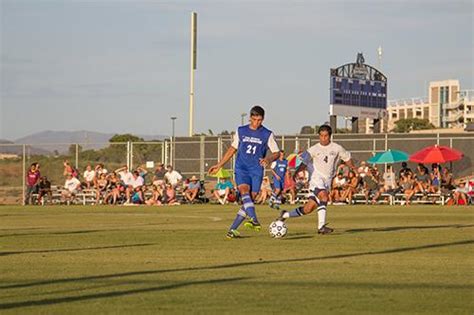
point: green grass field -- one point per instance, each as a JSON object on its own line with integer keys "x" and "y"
{"x": 381, "y": 259}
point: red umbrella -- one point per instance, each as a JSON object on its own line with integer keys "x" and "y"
{"x": 436, "y": 154}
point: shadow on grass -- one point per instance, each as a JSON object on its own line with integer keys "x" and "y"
{"x": 68, "y": 299}
{"x": 416, "y": 227}
{"x": 42, "y": 251}
{"x": 241, "y": 264}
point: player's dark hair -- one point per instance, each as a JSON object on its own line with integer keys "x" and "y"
{"x": 325, "y": 128}
{"x": 257, "y": 111}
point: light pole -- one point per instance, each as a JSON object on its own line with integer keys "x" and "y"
{"x": 242, "y": 116}
{"x": 172, "y": 140}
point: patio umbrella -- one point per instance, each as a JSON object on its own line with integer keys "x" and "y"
{"x": 390, "y": 156}
{"x": 222, "y": 173}
{"x": 294, "y": 160}
{"x": 436, "y": 154}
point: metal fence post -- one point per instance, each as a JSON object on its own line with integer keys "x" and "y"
{"x": 163, "y": 152}
{"x": 374, "y": 146}
{"x": 219, "y": 148}
{"x": 131, "y": 155}
{"x": 386, "y": 141}
{"x": 283, "y": 143}
{"x": 309, "y": 143}
{"x": 437, "y": 138}
{"x": 166, "y": 153}
{"x": 297, "y": 144}
{"x": 128, "y": 154}
{"x": 201, "y": 157}
{"x": 77, "y": 156}
{"x": 24, "y": 175}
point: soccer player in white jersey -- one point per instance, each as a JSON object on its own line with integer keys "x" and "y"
{"x": 321, "y": 160}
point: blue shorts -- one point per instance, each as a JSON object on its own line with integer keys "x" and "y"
{"x": 279, "y": 184}
{"x": 253, "y": 179}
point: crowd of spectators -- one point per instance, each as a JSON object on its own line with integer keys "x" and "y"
{"x": 166, "y": 186}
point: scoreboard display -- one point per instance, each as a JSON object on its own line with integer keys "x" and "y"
{"x": 358, "y": 90}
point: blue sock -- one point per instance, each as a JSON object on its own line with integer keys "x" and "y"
{"x": 298, "y": 212}
{"x": 249, "y": 207}
{"x": 238, "y": 219}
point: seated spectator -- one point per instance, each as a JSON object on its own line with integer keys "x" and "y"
{"x": 460, "y": 194}
{"x": 44, "y": 188}
{"x": 337, "y": 188}
{"x": 301, "y": 178}
{"x": 133, "y": 192}
{"x": 142, "y": 172}
{"x": 371, "y": 187}
{"x": 422, "y": 181}
{"x": 193, "y": 189}
{"x": 72, "y": 187}
{"x": 222, "y": 190}
{"x": 389, "y": 181}
{"x": 407, "y": 184}
{"x": 265, "y": 191}
{"x": 101, "y": 187}
{"x": 89, "y": 177}
{"x": 114, "y": 189}
{"x": 344, "y": 169}
{"x": 156, "y": 196}
{"x": 435, "y": 179}
{"x": 100, "y": 169}
{"x": 362, "y": 170}
{"x": 447, "y": 182}
{"x": 173, "y": 177}
{"x": 159, "y": 175}
{"x": 170, "y": 196}
{"x": 125, "y": 175}
{"x": 350, "y": 187}
{"x": 289, "y": 188}
{"x": 405, "y": 169}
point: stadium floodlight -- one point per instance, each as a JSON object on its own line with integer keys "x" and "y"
{"x": 193, "y": 65}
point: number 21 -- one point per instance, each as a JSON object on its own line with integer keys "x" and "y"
{"x": 251, "y": 149}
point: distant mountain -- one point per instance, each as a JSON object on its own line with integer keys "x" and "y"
{"x": 9, "y": 147}
{"x": 50, "y": 141}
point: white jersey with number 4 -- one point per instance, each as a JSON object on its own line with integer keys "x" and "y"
{"x": 325, "y": 159}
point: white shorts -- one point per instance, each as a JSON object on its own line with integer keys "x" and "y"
{"x": 320, "y": 183}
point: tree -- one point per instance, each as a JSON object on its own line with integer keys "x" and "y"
{"x": 125, "y": 137}
{"x": 406, "y": 125}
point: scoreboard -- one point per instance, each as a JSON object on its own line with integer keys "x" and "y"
{"x": 358, "y": 90}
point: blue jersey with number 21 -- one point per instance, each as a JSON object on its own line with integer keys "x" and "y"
{"x": 252, "y": 147}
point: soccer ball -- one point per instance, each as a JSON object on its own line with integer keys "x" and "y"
{"x": 278, "y": 229}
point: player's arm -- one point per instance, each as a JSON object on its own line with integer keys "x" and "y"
{"x": 227, "y": 156}
{"x": 274, "y": 149}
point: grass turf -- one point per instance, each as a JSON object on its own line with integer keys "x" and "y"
{"x": 416, "y": 259}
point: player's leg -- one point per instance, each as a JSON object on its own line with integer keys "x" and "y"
{"x": 242, "y": 180}
{"x": 247, "y": 201}
{"x": 322, "y": 196}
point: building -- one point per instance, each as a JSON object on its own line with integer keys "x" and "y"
{"x": 447, "y": 106}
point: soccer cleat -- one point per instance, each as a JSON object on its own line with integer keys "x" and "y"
{"x": 232, "y": 234}
{"x": 251, "y": 224}
{"x": 325, "y": 230}
{"x": 271, "y": 203}
{"x": 281, "y": 218}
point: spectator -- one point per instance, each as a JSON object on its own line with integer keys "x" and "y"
{"x": 114, "y": 189}
{"x": 89, "y": 177}
{"x": 68, "y": 169}
{"x": 133, "y": 192}
{"x": 265, "y": 191}
{"x": 159, "y": 175}
{"x": 289, "y": 188}
{"x": 156, "y": 196}
{"x": 170, "y": 195}
{"x": 44, "y": 188}
{"x": 32, "y": 181}
{"x": 101, "y": 187}
{"x": 362, "y": 170}
{"x": 100, "y": 169}
{"x": 460, "y": 194}
{"x": 447, "y": 179}
{"x": 344, "y": 169}
{"x": 72, "y": 187}
{"x": 435, "y": 179}
{"x": 125, "y": 175}
{"x": 389, "y": 181}
{"x": 371, "y": 187}
{"x": 405, "y": 169}
{"x": 193, "y": 189}
{"x": 338, "y": 184}
{"x": 173, "y": 177}
{"x": 350, "y": 187}
{"x": 301, "y": 178}
{"x": 422, "y": 182}
{"x": 407, "y": 184}
{"x": 222, "y": 190}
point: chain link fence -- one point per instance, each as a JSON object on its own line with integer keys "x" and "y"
{"x": 195, "y": 155}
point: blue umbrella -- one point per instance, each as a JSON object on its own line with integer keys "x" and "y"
{"x": 390, "y": 156}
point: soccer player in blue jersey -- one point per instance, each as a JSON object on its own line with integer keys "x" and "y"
{"x": 279, "y": 170}
{"x": 250, "y": 143}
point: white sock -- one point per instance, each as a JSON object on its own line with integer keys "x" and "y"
{"x": 321, "y": 216}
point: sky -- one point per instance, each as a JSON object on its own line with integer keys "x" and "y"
{"x": 123, "y": 66}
